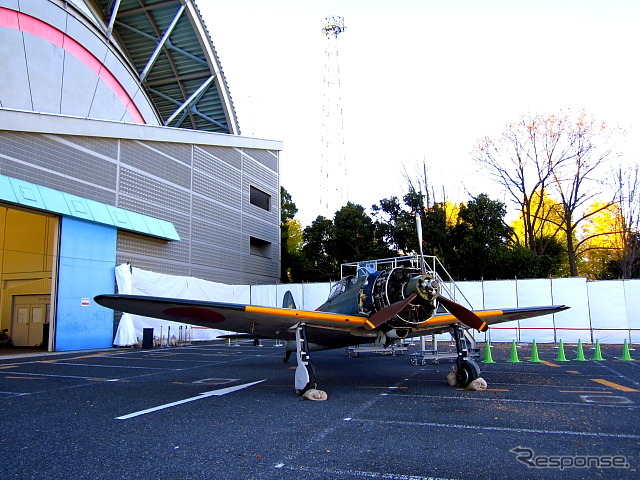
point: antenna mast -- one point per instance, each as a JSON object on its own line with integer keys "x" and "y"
{"x": 333, "y": 168}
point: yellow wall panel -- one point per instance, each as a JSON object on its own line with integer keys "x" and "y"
{"x": 27, "y": 242}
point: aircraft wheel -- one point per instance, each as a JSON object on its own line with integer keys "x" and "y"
{"x": 467, "y": 372}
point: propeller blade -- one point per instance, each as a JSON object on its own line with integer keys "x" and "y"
{"x": 423, "y": 267}
{"x": 387, "y": 313}
{"x": 463, "y": 314}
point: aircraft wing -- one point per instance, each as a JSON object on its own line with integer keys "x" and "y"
{"x": 331, "y": 330}
{"x": 267, "y": 322}
{"x": 442, "y": 322}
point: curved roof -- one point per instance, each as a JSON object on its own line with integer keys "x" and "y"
{"x": 170, "y": 49}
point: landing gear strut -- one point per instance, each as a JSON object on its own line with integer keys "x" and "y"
{"x": 305, "y": 376}
{"x": 467, "y": 370}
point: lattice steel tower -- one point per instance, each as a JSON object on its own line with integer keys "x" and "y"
{"x": 333, "y": 168}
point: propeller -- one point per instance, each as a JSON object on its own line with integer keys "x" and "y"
{"x": 387, "y": 313}
{"x": 423, "y": 268}
{"x": 463, "y": 314}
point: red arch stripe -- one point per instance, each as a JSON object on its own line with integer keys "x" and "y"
{"x": 33, "y": 26}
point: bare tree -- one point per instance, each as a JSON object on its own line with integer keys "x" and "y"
{"x": 557, "y": 156}
{"x": 627, "y": 182}
{"x": 522, "y": 160}
{"x": 575, "y": 179}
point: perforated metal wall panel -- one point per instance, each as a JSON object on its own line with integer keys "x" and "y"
{"x": 203, "y": 190}
{"x": 153, "y": 162}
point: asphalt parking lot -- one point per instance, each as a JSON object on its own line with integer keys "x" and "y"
{"x": 195, "y": 412}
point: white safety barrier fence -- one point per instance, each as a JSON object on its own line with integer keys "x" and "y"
{"x": 608, "y": 311}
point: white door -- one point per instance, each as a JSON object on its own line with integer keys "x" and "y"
{"x": 29, "y": 319}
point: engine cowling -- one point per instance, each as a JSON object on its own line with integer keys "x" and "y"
{"x": 390, "y": 286}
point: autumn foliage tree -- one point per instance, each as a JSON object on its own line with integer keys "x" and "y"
{"x": 559, "y": 156}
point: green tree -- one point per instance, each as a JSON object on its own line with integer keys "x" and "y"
{"x": 480, "y": 239}
{"x": 356, "y": 236}
{"x": 290, "y": 239}
{"x": 318, "y": 254}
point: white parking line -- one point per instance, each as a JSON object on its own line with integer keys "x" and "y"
{"x": 497, "y": 429}
{"x": 341, "y": 473}
{"x": 219, "y": 392}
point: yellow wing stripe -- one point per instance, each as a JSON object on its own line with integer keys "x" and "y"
{"x": 440, "y": 319}
{"x": 305, "y": 315}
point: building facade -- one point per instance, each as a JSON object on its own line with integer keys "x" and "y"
{"x": 119, "y": 143}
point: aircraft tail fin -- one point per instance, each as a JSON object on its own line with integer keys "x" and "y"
{"x": 288, "y": 301}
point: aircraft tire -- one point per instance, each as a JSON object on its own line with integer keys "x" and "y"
{"x": 468, "y": 372}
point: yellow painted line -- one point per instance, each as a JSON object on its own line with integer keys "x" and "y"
{"x": 575, "y": 372}
{"x": 4, "y": 367}
{"x": 549, "y": 364}
{"x": 613, "y": 385}
{"x": 305, "y": 315}
{"x": 598, "y": 392}
{"x": 485, "y": 390}
{"x": 389, "y": 388}
{"x": 26, "y": 378}
{"x": 91, "y": 356}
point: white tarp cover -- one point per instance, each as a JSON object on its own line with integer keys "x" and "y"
{"x": 264, "y": 296}
{"x": 501, "y": 294}
{"x": 632, "y": 299}
{"x": 161, "y": 285}
{"x": 315, "y": 294}
{"x": 126, "y": 333}
{"x": 608, "y": 311}
{"x": 535, "y": 293}
{"x": 573, "y": 324}
{"x": 472, "y": 295}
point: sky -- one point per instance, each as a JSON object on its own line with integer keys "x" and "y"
{"x": 422, "y": 81}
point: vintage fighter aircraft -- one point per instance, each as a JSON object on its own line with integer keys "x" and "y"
{"x": 373, "y": 306}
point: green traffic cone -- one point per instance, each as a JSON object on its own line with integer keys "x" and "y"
{"x": 561, "y": 357}
{"x": 534, "y": 352}
{"x": 626, "y": 356}
{"x": 514, "y": 353}
{"x": 487, "y": 352}
{"x": 580, "y": 353}
{"x": 597, "y": 355}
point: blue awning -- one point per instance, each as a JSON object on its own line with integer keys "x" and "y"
{"x": 35, "y": 196}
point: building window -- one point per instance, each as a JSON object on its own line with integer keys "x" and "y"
{"x": 259, "y": 247}
{"x": 259, "y": 198}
